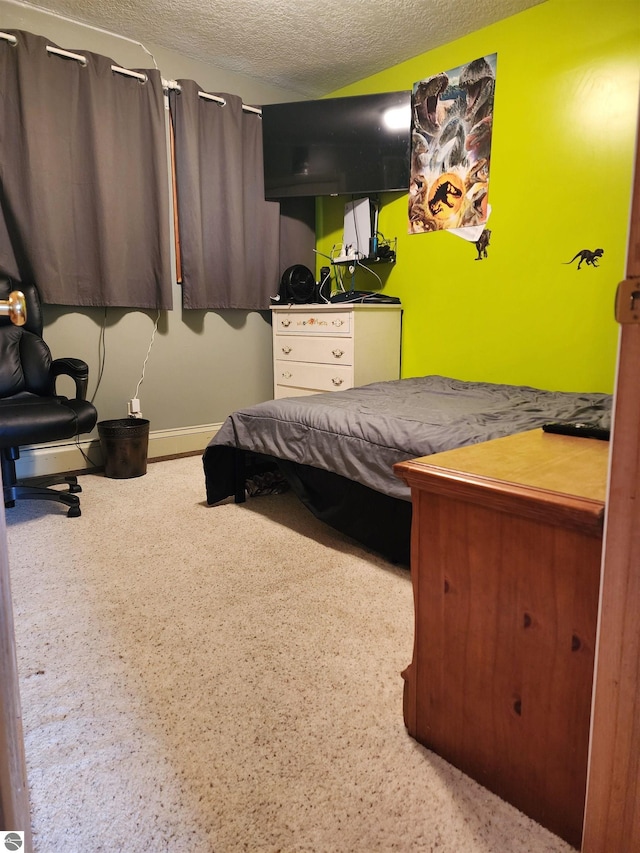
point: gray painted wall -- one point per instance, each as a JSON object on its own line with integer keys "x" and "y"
{"x": 202, "y": 365}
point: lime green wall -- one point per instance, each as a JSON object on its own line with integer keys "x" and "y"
{"x": 561, "y": 167}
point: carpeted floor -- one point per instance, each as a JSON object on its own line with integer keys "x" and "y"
{"x": 221, "y": 679}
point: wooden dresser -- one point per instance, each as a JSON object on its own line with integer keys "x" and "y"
{"x": 332, "y": 347}
{"x": 505, "y": 563}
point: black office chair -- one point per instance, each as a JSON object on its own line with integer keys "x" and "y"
{"x": 30, "y": 410}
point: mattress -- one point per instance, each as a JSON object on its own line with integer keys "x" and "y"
{"x": 362, "y": 432}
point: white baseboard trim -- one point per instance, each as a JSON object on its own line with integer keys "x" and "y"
{"x": 59, "y": 457}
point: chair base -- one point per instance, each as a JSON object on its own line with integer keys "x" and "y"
{"x": 37, "y": 488}
{"x": 22, "y": 491}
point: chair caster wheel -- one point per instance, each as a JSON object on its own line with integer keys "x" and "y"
{"x": 74, "y": 512}
{"x": 74, "y": 488}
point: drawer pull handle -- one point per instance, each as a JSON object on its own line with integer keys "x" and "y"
{"x": 286, "y": 350}
{"x": 337, "y": 381}
{"x": 287, "y": 375}
{"x": 338, "y": 353}
{"x": 337, "y": 323}
{"x": 286, "y": 323}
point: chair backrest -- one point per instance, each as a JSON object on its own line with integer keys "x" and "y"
{"x": 25, "y": 359}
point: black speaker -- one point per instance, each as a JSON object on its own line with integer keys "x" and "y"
{"x": 324, "y": 285}
{"x": 297, "y": 286}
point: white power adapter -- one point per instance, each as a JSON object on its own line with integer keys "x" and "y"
{"x": 133, "y": 408}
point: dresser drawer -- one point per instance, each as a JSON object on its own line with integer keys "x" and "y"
{"x": 332, "y": 347}
{"x": 318, "y": 377}
{"x": 313, "y": 323}
{"x": 319, "y": 350}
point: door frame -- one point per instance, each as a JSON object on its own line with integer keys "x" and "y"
{"x": 612, "y": 810}
{"x": 14, "y": 791}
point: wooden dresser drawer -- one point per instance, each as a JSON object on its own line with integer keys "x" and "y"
{"x": 317, "y": 377}
{"x": 318, "y": 350}
{"x": 313, "y": 322}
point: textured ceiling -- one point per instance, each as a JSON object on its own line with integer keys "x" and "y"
{"x": 310, "y": 47}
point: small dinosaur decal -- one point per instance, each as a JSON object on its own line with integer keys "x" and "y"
{"x": 481, "y": 244}
{"x": 587, "y": 257}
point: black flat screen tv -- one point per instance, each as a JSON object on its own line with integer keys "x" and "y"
{"x": 358, "y": 145}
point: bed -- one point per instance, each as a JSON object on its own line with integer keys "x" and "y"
{"x": 336, "y": 450}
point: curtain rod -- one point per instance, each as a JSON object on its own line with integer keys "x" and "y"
{"x": 58, "y": 51}
{"x": 167, "y": 84}
{"x": 67, "y": 53}
{"x": 171, "y": 84}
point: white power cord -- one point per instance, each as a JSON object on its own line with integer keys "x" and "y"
{"x": 134, "y": 409}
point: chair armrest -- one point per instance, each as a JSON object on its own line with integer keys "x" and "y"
{"x": 77, "y": 369}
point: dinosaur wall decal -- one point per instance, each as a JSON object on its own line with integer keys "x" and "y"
{"x": 587, "y": 257}
{"x": 481, "y": 244}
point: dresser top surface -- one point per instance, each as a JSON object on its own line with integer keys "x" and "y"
{"x": 314, "y": 307}
{"x": 535, "y": 460}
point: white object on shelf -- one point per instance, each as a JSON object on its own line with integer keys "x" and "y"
{"x": 356, "y": 239}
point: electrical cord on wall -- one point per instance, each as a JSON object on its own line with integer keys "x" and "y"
{"x": 102, "y": 354}
{"x": 134, "y": 404}
{"x": 369, "y": 270}
{"x": 89, "y": 461}
{"x": 102, "y": 350}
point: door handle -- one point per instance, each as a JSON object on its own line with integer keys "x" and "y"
{"x": 628, "y": 301}
{"x": 14, "y": 307}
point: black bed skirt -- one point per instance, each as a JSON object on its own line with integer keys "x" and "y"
{"x": 375, "y": 520}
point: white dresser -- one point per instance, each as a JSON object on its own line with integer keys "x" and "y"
{"x": 332, "y": 347}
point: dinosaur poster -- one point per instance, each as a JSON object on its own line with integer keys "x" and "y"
{"x": 451, "y": 147}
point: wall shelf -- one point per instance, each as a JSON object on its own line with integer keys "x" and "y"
{"x": 386, "y": 253}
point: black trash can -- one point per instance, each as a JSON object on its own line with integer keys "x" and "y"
{"x": 124, "y": 444}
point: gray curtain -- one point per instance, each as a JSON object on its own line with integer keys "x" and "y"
{"x": 229, "y": 234}
{"x": 84, "y": 189}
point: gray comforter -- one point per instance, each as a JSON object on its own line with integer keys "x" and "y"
{"x": 360, "y": 433}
